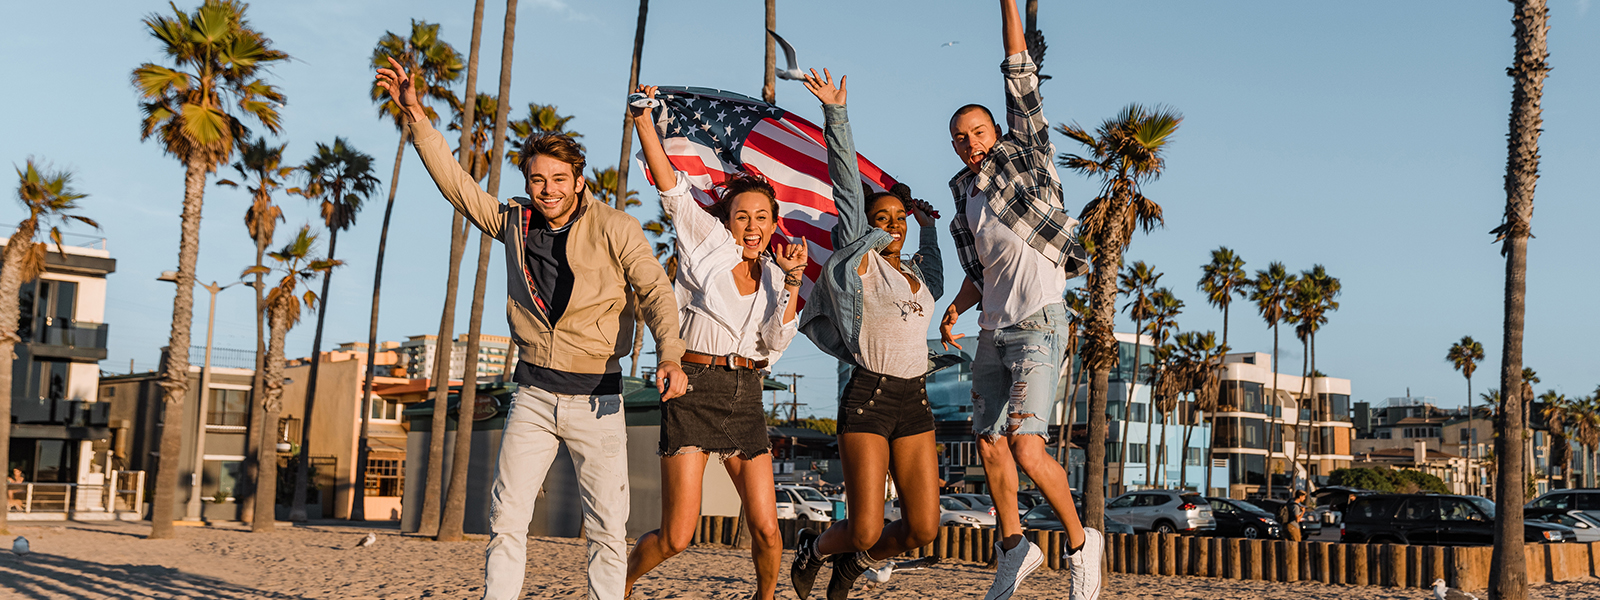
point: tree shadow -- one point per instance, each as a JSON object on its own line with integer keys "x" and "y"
{"x": 40, "y": 576}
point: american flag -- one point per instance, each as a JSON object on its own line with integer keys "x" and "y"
{"x": 711, "y": 135}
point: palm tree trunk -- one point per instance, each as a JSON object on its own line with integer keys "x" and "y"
{"x": 175, "y": 380}
{"x": 1305, "y": 362}
{"x": 1162, "y": 458}
{"x": 297, "y": 510}
{"x": 1508, "y": 572}
{"x": 1272, "y": 402}
{"x": 358, "y": 506}
{"x": 1317, "y": 410}
{"x": 1103, "y": 347}
{"x": 1065, "y": 428}
{"x": 428, "y": 521}
{"x": 769, "y": 89}
{"x": 20, "y": 244}
{"x": 450, "y": 528}
{"x": 627, "y": 121}
{"x": 253, "y": 450}
{"x": 1472, "y": 447}
{"x": 266, "y": 499}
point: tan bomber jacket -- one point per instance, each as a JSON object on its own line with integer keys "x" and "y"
{"x": 609, "y": 257}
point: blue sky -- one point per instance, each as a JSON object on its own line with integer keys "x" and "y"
{"x": 1365, "y": 136}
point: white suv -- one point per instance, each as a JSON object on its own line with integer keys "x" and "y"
{"x": 803, "y": 502}
{"x": 1163, "y": 511}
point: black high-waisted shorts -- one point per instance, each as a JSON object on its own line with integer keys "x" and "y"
{"x": 885, "y": 405}
{"x": 722, "y": 413}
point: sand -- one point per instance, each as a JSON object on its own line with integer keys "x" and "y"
{"x": 80, "y": 561}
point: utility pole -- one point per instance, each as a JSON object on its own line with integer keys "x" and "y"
{"x": 794, "y": 395}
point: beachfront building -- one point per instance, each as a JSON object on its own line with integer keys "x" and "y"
{"x": 496, "y": 356}
{"x": 58, "y": 465}
{"x": 1291, "y": 434}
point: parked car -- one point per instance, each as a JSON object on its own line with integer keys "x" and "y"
{"x": 1044, "y": 517}
{"x": 1237, "y": 518}
{"x": 1163, "y": 511}
{"x": 1586, "y": 500}
{"x": 1434, "y": 520}
{"x": 1329, "y": 502}
{"x": 975, "y": 501}
{"x": 1587, "y": 528}
{"x": 953, "y": 511}
{"x": 1309, "y": 524}
{"x": 803, "y": 502}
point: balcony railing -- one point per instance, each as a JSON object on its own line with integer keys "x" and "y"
{"x": 71, "y": 413}
{"x": 123, "y": 492}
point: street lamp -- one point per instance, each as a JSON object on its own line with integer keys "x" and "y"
{"x": 193, "y": 508}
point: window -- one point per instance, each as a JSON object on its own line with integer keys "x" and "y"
{"x": 1136, "y": 453}
{"x": 1338, "y": 407}
{"x": 1466, "y": 435}
{"x": 289, "y": 431}
{"x": 1194, "y": 456}
{"x": 228, "y": 477}
{"x": 384, "y": 409}
{"x": 1453, "y": 509}
{"x": 1113, "y": 452}
{"x": 1136, "y": 412}
{"x": 1420, "y": 509}
{"x": 385, "y": 477}
{"x": 1426, "y": 431}
{"x": 1254, "y": 433}
{"x": 1124, "y": 502}
{"x": 1150, "y": 500}
{"x": 228, "y": 407}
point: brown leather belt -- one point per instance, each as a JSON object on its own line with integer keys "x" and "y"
{"x": 732, "y": 361}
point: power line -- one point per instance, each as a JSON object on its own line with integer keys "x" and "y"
{"x": 794, "y": 394}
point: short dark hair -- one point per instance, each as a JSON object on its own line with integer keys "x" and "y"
{"x": 553, "y": 145}
{"x": 969, "y": 108}
{"x": 740, "y": 183}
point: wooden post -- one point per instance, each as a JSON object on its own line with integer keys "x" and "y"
{"x": 1130, "y": 557}
{"x": 1358, "y": 564}
{"x": 1288, "y": 560}
{"x": 1414, "y": 568}
{"x": 1336, "y": 569}
{"x": 1394, "y": 561}
{"x": 1214, "y": 558}
{"x": 1149, "y": 553}
{"x": 1233, "y": 558}
{"x": 1250, "y": 560}
{"x": 1167, "y": 560}
{"x": 1594, "y": 559}
{"x": 1197, "y": 556}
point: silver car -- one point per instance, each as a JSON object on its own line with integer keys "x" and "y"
{"x": 1163, "y": 511}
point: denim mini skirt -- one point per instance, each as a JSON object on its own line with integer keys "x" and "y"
{"x": 721, "y": 414}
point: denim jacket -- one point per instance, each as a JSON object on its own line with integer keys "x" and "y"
{"x": 832, "y": 316}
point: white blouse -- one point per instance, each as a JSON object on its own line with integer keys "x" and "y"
{"x": 716, "y": 318}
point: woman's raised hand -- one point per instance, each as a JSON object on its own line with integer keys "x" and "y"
{"x": 822, "y": 87}
{"x": 792, "y": 259}
{"x": 636, "y": 112}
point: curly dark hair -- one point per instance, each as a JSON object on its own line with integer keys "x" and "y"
{"x": 739, "y": 184}
{"x": 899, "y": 191}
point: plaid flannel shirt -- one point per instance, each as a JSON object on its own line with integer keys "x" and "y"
{"x": 1020, "y": 182}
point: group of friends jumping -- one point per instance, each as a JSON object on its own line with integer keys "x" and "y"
{"x": 577, "y": 269}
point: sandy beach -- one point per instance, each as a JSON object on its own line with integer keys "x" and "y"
{"x": 89, "y": 561}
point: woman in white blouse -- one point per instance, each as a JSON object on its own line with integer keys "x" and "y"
{"x": 737, "y": 303}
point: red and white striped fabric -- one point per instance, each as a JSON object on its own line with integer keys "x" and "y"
{"x": 712, "y": 134}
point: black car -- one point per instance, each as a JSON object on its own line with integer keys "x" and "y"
{"x": 1237, "y": 518}
{"x": 1434, "y": 520}
{"x": 1044, "y": 517}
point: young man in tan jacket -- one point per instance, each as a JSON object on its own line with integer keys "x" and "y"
{"x": 574, "y": 269}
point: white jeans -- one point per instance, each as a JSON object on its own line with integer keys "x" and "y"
{"x": 595, "y": 432}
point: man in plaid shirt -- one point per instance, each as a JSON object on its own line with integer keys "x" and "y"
{"x": 1016, "y": 244}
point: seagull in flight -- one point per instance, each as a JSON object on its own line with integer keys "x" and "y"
{"x": 948, "y": 44}
{"x": 792, "y": 72}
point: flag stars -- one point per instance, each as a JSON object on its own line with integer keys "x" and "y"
{"x": 744, "y": 120}
{"x": 722, "y": 115}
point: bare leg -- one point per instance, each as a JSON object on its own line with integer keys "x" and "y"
{"x": 865, "y": 457}
{"x": 1000, "y": 469}
{"x": 682, "y": 476}
{"x": 1031, "y": 454}
{"x": 916, "y": 475}
{"x": 752, "y": 477}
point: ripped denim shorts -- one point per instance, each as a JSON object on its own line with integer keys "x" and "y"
{"x": 721, "y": 414}
{"x": 1016, "y": 372}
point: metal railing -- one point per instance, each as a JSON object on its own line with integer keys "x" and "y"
{"x": 71, "y": 333}
{"x": 122, "y": 492}
{"x": 75, "y": 240}
{"x": 227, "y": 358}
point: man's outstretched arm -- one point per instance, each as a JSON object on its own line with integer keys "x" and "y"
{"x": 1011, "y": 28}
{"x": 454, "y": 183}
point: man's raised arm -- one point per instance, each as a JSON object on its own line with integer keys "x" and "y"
{"x": 454, "y": 183}
{"x": 1011, "y": 28}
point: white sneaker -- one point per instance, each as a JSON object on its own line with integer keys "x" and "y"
{"x": 1086, "y": 565}
{"x": 1012, "y": 567}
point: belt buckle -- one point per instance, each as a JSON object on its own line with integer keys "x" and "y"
{"x": 732, "y": 358}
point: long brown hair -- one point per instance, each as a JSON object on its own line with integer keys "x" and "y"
{"x": 739, "y": 184}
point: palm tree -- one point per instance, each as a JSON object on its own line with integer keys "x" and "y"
{"x": 1585, "y": 428}
{"x": 1079, "y": 305}
{"x": 633, "y": 81}
{"x": 1465, "y": 356}
{"x": 1164, "y": 311}
{"x": 466, "y": 112}
{"x": 455, "y": 506}
{"x": 432, "y": 63}
{"x": 1204, "y": 357}
{"x": 1223, "y": 278}
{"x": 666, "y": 251}
{"x": 769, "y": 88}
{"x": 1273, "y": 287}
{"x": 298, "y": 267}
{"x": 1125, "y": 153}
{"x": 1137, "y": 282}
{"x": 341, "y": 177}
{"x": 1556, "y": 410}
{"x": 478, "y": 157}
{"x": 261, "y": 171}
{"x": 50, "y": 200}
{"x": 197, "y": 109}
{"x": 1508, "y": 573}
{"x": 1315, "y": 294}
{"x": 542, "y": 119}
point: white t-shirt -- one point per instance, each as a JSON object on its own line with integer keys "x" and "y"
{"x": 1017, "y": 280}
{"x": 894, "y": 321}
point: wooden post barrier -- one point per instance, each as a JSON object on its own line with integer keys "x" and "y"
{"x": 1288, "y": 560}
{"x": 1214, "y": 557}
{"x": 1130, "y": 556}
{"x": 1538, "y": 567}
{"x": 1056, "y": 546}
{"x": 1197, "y": 556}
{"x": 1336, "y": 563}
{"x": 1250, "y": 560}
{"x": 1394, "y": 565}
{"x": 1469, "y": 567}
{"x": 1357, "y": 563}
{"x": 1269, "y": 559}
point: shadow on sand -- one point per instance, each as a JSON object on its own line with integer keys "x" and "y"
{"x": 41, "y": 576}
